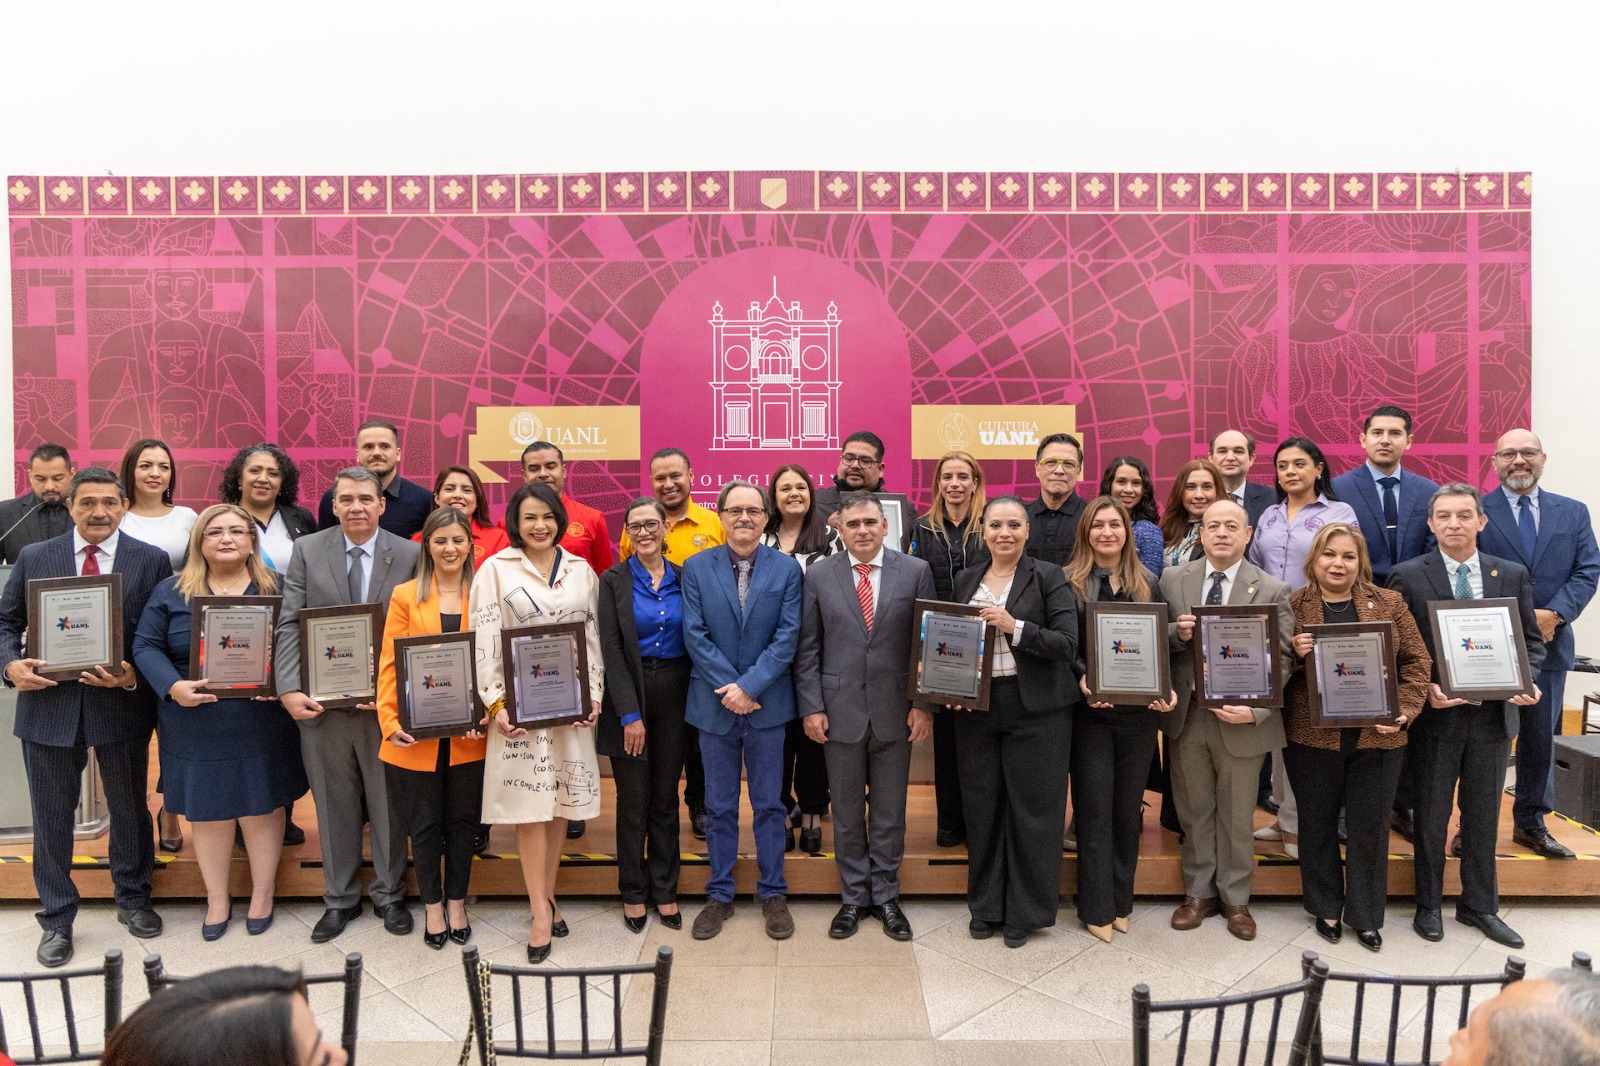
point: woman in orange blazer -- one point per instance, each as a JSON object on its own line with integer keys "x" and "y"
{"x": 436, "y": 788}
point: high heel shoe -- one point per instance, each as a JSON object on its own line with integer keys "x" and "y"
{"x": 1332, "y": 931}
{"x": 257, "y": 926}
{"x": 558, "y": 926}
{"x": 537, "y": 953}
{"x": 436, "y": 941}
{"x": 1121, "y": 924}
{"x": 458, "y": 936}
{"x": 1370, "y": 939}
{"x": 172, "y": 843}
{"x": 215, "y": 930}
{"x": 811, "y": 840}
{"x": 1101, "y": 932}
{"x": 635, "y": 925}
{"x": 671, "y": 921}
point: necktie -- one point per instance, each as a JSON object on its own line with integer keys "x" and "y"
{"x": 864, "y": 592}
{"x": 91, "y": 565}
{"x": 357, "y": 558}
{"x": 1463, "y": 584}
{"x": 744, "y": 581}
{"x": 1525, "y": 526}
{"x": 1214, "y": 596}
{"x": 1391, "y": 515}
{"x": 1237, "y": 497}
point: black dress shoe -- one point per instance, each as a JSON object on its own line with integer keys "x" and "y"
{"x": 949, "y": 838}
{"x": 396, "y": 917}
{"x": 1370, "y": 939}
{"x": 55, "y": 948}
{"x": 293, "y": 835}
{"x": 1490, "y": 926}
{"x": 671, "y": 921}
{"x": 538, "y": 953}
{"x": 635, "y": 925}
{"x": 811, "y": 840}
{"x": 1428, "y": 923}
{"x": 143, "y": 923}
{"x": 1538, "y": 839}
{"x": 437, "y": 941}
{"x": 558, "y": 927}
{"x": 460, "y": 936}
{"x": 846, "y": 922}
{"x": 979, "y": 929}
{"x": 697, "y": 822}
{"x": 332, "y": 923}
{"x": 1267, "y": 803}
{"x": 1403, "y": 821}
{"x": 1015, "y": 938}
{"x": 788, "y": 840}
{"x": 895, "y": 922}
{"x": 575, "y": 828}
{"x": 480, "y": 841}
{"x": 1332, "y": 932}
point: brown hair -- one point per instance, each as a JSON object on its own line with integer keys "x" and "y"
{"x": 1319, "y": 544}
{"x": 938, "y": 517}
{"x": 1175, "y": 521}
{"x": 1129, "y": 571}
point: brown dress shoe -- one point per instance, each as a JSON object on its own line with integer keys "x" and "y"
{"x": 1191, "y": 912}
{"x": 1240, "y": 924}
{"x": 776, "y": 910}
{"x": 708, "y": 923}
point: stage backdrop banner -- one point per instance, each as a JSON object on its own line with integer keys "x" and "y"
{"x": 757, "y": 318}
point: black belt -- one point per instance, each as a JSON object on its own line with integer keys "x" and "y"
{"x": 652, "y": 663}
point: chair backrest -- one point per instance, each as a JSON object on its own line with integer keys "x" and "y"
{"x": 43, "y": 1019}
{"x": 1582, "y": 961}
{"x": 1449, "y": 998}
{"x": 552, "y": 999}
{"x": 156, "y": 978}
{"x": 1307, "y": 991}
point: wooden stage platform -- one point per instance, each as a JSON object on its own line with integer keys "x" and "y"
{"x": 589, "y": 868}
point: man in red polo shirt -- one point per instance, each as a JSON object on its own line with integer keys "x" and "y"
{"x": 586, "y": 534}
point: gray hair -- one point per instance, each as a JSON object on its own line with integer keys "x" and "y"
{"x": 645, "y": 501}
{"x": 859, "y": 499}
{"x": 1563, "y": 1033}
{"x": 1456, "y": 488}
{"x": 358, "y": 474}
{"x": 94, "y": 475}
{"x": 722, "y": 497}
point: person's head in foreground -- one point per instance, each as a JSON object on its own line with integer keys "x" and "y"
{"x": 1551, "y": 1021}
{"x": 239, "y": 1016}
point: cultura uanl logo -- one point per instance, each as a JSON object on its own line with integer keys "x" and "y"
{"x": 335, "y": 652}
{"x": 1124, "y": 647}
{"x": 1228, "y": 651}
{"x": 944, "y": 650}
{"x": 65, "y": 624}
{"x": 1476, "y": 644}
{"x": 437, "y": 682}
{"x": 1344, "y": 670}
{"x": 233, "y": 643}
{"x": 544, "y": 670}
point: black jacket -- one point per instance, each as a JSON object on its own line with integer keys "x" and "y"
{"x": 949, "y": 555}
{"x": 1041, "y": 598}
{"x": 619, "y": 648}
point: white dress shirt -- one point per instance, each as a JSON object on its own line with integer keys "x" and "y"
{"x": 106, "y": 551}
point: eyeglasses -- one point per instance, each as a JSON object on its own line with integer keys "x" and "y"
{"x": 744, "y": 512}
{"x": 235, "y": 533}
{"x": 636, "y": 529}
{"x": 858, "y": 460}
{"x": 1525, "y": 454}
{"x": 1060, "y": 464}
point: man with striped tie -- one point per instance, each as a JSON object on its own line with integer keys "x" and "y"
{"x": 850, "y": 675}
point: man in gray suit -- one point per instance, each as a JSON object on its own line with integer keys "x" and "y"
{"x": 850, "y": 674}
{"x": 354, "y": 562}
{"x": 1217, "y": 753}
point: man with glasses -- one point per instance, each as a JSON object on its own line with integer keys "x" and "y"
{"x": 741, "y": 626}
{"x": 861, "y": 470}
{"x": 1053, "y": 517}
{"x": 1551, "y": 536}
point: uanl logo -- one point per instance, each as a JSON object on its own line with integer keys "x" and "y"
{"x": 1345, "y": 670}
{"x": 233, "y": 643}
{"x": 1124, "y": 647}
{"x": 1476, "y": 644}
{"x": 776, "y": 376}
{"x": 65, "y": 624}
{"x": 437, "y": 682}
{"x": 1228, "y": 651}
{"x": 944, "y": 650}
{"x": 526, "y": 428}
{"x": 335, "y": 652}
{"x": 544, "y": 670}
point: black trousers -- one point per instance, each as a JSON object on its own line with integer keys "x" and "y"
{"x": 1111, "y": 752}
{"x": 694, "y": 773}
{"x": 648, "y": 826}
{"x": 805, "y": 771}
{"x": 1014, "y": 764}
{"x": 947, "y": 775}
{"x": 55, "y": 779}
{"x": 1362, "y": 781}
{"x": 1405, "y": 793}
{"x": 1466, "y": 744}
{"x": 440, "y": 809}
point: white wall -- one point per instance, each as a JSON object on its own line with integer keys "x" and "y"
{"x": 479, "y": 87}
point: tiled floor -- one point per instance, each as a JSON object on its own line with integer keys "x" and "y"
{"x": 744, "y": 999}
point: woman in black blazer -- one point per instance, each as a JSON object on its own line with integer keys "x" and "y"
{"x": 1014, "y": 756}
{"x": 641, "y": 724}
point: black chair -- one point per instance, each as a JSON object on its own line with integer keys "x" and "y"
{"x": 480, "y": 977}
{"x": 1454, "y": 990}
{"x": 1582, "y": 961}
{"x": 1308, "y": 990}
{"x": 110, "y": 973}
{"x": 156, "y": 978}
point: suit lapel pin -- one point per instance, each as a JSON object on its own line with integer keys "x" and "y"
{"x": 387, "y": 559}
{"x": 1494, "y": 573}
{"x": 1251, "y": 591}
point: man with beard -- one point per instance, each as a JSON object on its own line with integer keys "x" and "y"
{"x": 42, "y": 512}
{"x": 406, "y": 504}
{"x": 861, "y": 470}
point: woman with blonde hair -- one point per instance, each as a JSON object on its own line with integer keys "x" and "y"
{"x": 223, "y": 760}
{"x": 949, "y": 538}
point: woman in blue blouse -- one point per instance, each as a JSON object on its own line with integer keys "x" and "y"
{"x": 1127, "y": 480}
{"x": 641, "y": 723}
{"x": 223, "y": 761}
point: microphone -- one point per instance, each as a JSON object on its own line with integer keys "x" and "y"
{"x": 21, "y": 520}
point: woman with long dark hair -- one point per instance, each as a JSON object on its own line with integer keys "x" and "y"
{"x": 1198, "y": 485}
{"x": 148, "y": 475}
{"x": 461, "y": 488}
{"x": 1127, "y": 480}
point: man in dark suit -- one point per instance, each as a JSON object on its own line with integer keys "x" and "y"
{"x": 1234, "y": 452}
{"x": 1457, "y": 741}
{"x": 406, "y": 504}
{"x": 113, "y": 713}
{"x": 861, "y": 470}
{"x": 1216, "y": 752}
{"x": 1053, "y": 516}
{"x": 354, "y": 562}
{"x": 851, "y": 675}
{"x": 741, "y": 623}
{"x": 41, "y": 513}
{"x": 1550, "y": 535}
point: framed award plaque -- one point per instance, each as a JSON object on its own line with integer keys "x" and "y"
{"x": 952, "y": 655}
{"x": 1236, "y": 656}
{"x": 1351, "y": 675}
{"x": 1479, "y": 649}
{"x": 547, "y": 674}
{"x": 436, "y": 684}
{"x": 75, "y": 624}
{"x": 230, "y": 644}
{"x": 339, "y": 653}
{"x": 1125, "y": 655}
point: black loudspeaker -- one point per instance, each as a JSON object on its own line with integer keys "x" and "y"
{"x": 1577, "y": 778}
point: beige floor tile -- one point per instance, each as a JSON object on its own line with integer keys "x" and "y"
{"x": 953, "y": 991}
{"x": 396, "y": 960}
{"x": 1403, "y": 952}
{"x": 1209, "y": 951}
{"x": 1045, "y": 950}
{"x": 1017, "y": 1053}
{"x": 1101, "y": 980}
{"x": 711, "y": 1003}
{"x": 1581, "y": 913}
{"x": 715, "y": 1053}
{"x": 1028, "y": 1015}
{"x": 414, "y": 1054}
{"x": 811, "y": 945}
{"x": 17, "y": 917}
{"x": 852, "y": 1052}
{"x": 931, "y": 912}
{"x": 386, "y": 1016}
{"x": 569, "y": 1015}
{"x": 1550, "y": 933}
{"x": 742, "y": 942}
{"x": 858, "y": 1003}
{"x": 1165, "y": 1053}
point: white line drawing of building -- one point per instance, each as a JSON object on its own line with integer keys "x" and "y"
{"x": 775, "y": 377}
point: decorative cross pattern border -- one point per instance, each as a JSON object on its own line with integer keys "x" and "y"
{"x": 703, "y": 191}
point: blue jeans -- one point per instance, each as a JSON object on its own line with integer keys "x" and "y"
{"x": 760, "y": 751}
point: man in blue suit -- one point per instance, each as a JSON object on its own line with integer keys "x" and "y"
{"x": 1234, "y": 452}
{"x": 113, "y": 713}
{"x": 741, "y": 625}
{"x": 1552, "y": 537}
{"x": 1392, "y": 504}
